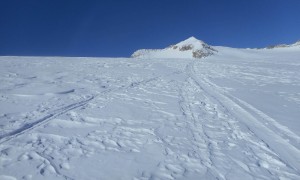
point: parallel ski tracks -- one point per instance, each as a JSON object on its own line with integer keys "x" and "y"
{"x": 258, "y": 139}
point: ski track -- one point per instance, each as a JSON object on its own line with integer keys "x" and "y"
{"x": 42, "y": 121}
{"x": 48, "y": 160}
{"x": 212, "y": 134}
{"x": 258, "y": 133}
{"x": 58, "y": 112}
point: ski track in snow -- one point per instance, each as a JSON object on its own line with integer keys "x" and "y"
{"x": 42, "y": 121}
{"x": 135, "y": 119}
{"x": 260, "y": 137}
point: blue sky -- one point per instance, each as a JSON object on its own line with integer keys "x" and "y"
{"x": 116, "y": 28}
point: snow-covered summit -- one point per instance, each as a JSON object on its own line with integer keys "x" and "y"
{"x": 192, "y": 41}
{"x": 189, "y": 48}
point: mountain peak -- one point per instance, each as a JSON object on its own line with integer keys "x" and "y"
{"x": 189, "y": 48}
{"x": 191, "y": 39}
{"x": 190, "y": 43}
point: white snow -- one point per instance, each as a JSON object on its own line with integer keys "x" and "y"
{"x": 232, "y": 115}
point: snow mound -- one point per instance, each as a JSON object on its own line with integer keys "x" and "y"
{"x": 189, "y": 48}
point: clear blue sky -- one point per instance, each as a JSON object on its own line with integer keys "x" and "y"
{"x": 116, "y": 28}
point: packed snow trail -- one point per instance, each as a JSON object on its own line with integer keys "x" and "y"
{"x": 98, "y": 118}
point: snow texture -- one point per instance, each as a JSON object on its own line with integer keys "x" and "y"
{"x": 233, "y": 115}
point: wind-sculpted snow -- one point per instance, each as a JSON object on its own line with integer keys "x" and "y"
{"x": 233, "y": 115}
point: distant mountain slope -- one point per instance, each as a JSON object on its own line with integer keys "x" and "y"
{"x": 189, "y": 48}
{"x": 296, "y": 44}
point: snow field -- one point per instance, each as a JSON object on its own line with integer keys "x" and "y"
{"x": 117, "y": 118}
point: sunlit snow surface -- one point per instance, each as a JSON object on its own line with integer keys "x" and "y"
{"x": 233, "y": 115}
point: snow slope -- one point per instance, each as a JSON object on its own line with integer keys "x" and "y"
{"x": 189, "y": 48}
{"x": 294, "y": 45}
{"x": 233, "y": 115}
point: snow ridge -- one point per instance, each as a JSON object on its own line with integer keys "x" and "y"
{"x": 296, "y": 44}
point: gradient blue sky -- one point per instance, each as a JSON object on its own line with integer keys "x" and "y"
{"x": 116, "y": 28}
